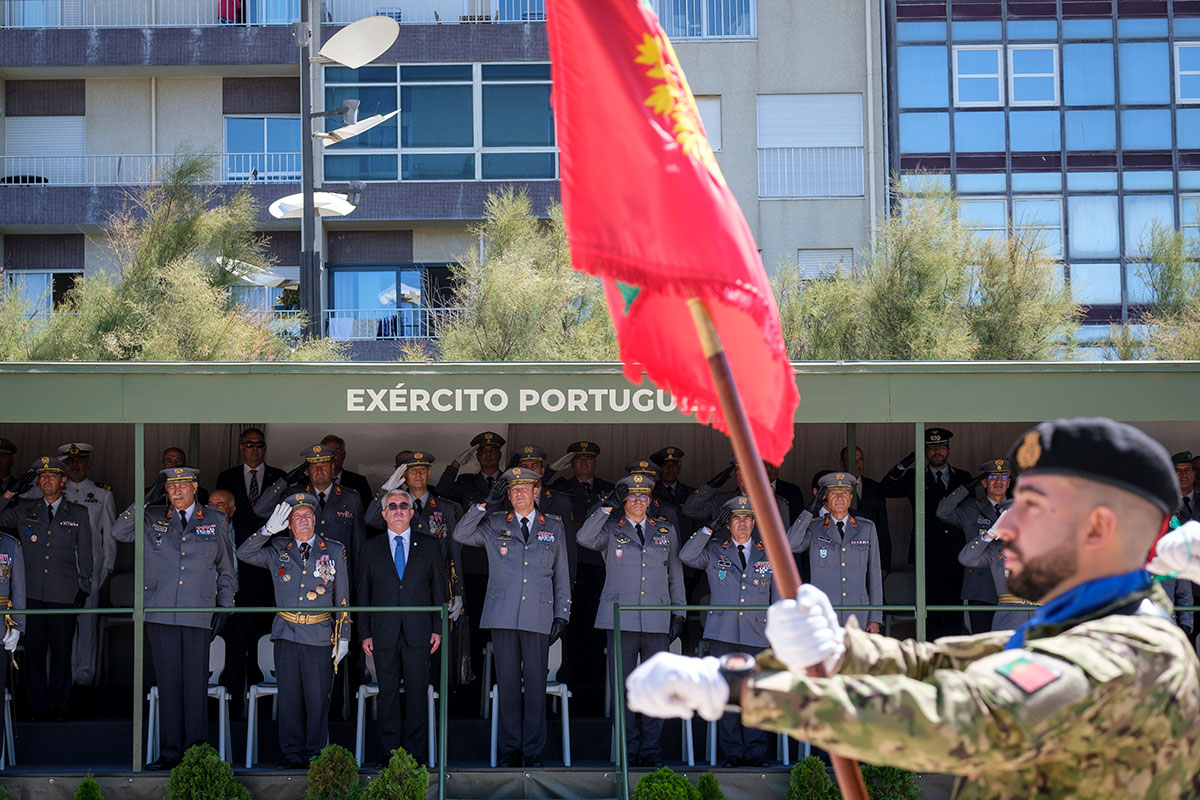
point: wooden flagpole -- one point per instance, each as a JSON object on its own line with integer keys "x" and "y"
{"x": 766, "y": 512}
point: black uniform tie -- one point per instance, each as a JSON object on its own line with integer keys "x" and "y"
{"x": 841, "y": 529}
{"x": 304, "y": 550}
{"x": 417, "y": 506}
{"x": 941, "y": 479}
{"x": 183, "y": 519}
{"x": 742, "y": 553}
{"x": 1187, "y": 506}
{"x": 50, "y": 512}
{"x": 525, "y": 529}
{"x": 321, "y": 500}
{"x": 254, "y": 490}
{"x": 641, "y": 538}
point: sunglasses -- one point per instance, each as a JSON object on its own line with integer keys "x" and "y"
{"x": 397, "y": 506}
{"x": 254, "y": 445}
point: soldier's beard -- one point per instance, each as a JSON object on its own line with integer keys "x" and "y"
{"x": 1038, "y": 577}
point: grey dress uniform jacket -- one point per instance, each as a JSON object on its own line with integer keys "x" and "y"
{"x": 704, "y": 503}
{"x": 635, "y": 574}
{"x": 973, "y": 516}
{"x": 730, "y": 585}
{"x": 12, "y": 581}
{"x": 990, "y": 556}
{"x": 322, "y": 585}
{"x": 58, "y": 554}
{"x": 528, "y": 582}
{"x": 341, "y": 520}
{"x": 190, "y": 567}
{"x": 847, "y": 568}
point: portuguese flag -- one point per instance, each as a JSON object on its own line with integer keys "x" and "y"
{"x": 648, "y": 211}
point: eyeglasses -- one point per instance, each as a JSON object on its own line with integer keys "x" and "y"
{"x": 254, "y": 445}
{"x": 638, "y": 498}
{"x": 397, "y": 506}
{"x": 996, "y": 476}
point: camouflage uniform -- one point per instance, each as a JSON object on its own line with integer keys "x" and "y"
{"x": 1107, "y": 706}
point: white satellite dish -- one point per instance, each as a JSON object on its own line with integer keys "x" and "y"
{"x": 361, "y": 42}
{"x": 328, "y": 204}
{"x": 345, "y": 132}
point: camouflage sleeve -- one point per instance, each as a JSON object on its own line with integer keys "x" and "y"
{"x": 873, "y": 654}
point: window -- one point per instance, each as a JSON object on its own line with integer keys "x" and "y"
{"x": 1189, "y": 217}
{"x": 1032, "y": 75}
{"x": 977, "y": 79}
{"x": 262, "y": 149}
{"x": 810, "y": 145}
{"x": 1144, "y": 73}
{"x": 1088, "y": 75}
{"x": 823, "y": 263}
{"x": 1146, "y": 129}
{"x": 979, "y": 131}
{"x": 922, "y": 77}
{"x": 684, "y": 19}
{"x": 1091, "y": 130}
{"x": 379, "y": 302}
{"x": 1096, "y": 284}
{"x": 1187, "y": 128}
{"x": 1142, "y": 213}
{"x": 41, "y": 290}
{"x": 925, "y": 132}
{"x": 45, "y": 149}
{"x": 710, "y": 117}
{"x": 1041, "y": 216}
{"x": 1187, "y": 73}
{"x": 1094, "y": 230}
{"x": 1033, "y": 131}
{"x": 988, "y": 217}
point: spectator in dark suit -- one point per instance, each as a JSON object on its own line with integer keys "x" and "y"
{"x": 871, "y": 504}
{"x": 788, "y": 491}
{"x": 403, "y": 568}
{"x": 344, "y": 477}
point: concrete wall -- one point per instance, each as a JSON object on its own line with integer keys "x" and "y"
{"x": 118, "y": 116}
{"x": 189, "y": 115}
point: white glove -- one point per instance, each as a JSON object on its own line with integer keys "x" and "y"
{"x": 340, "y": 650}
{"x": 456, "y": 606}
{"x": 1178, "y": 553}
{"x": 466, "y": 456}
{"x": 670, "y": 686}
{"x": 805, "y": 631}
{"x": 562, "y": 462}
{"x": 396, "y": 479}
{"x": 279, "y": 519}
{"x": 988, "y": 535}
{"x": 10, "y": 639}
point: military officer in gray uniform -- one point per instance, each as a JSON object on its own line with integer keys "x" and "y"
{"x": 339, "y": 509}
{"x": 973, "y": 515}
{"x": 12, "y": 595}
{"x": 57, "y": 537}
{"x": 528, "y": 604}
{"x": 843, "y": 553}
{"x": 985, "y": 551}
{"x": 706, "y": 501}
{"x": 308, "y": 572}
{"x": 657, "y": 508}
{"x": 642, "y": 567}
{"x": 188, "y": 564}
{"x": 739, "y": 573}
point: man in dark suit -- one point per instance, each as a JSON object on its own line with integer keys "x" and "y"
{"x": 403, "y": 568}
{"x": 871, "y": 504}
{"x": 944, "y": 575}
{"x": 344, "y": 477}
{"x": 245, "y": 484}
{"x": 785, "y": 489}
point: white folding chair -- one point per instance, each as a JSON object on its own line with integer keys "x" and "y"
{"x": 268, "y": 688}
{"x": 370, "y": 691}
{"x": 485, "y": 708}
{"x": 554, "y": 687}
{"x": 8, "y": 752}
{"x": 216, "y": 665}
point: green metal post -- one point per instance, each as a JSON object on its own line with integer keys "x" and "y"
{"x": 619, "y": 706}
{"x": 444, "y": 694}
{"x": 919, "y": 525}
{"x": 139, "y": 599}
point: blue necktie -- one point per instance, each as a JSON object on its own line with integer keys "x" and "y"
{"x": 399, "y": 557}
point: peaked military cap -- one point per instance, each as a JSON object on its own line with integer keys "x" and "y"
{"x": 180, "y": 474}
{"x": 530, "y": 452}
{"x": 637, "y": 483}
{"x": 1182, "y": 457}
{"x": 837, "y": 482}
{"x": 517, "y": 476}
{"x": 317, "y": 454}
{"x": 418, "y": 458}
{"x": 48, "y": 464}
{"x": 642, "y": 467}
{"x": 739, "y": 505}
{"x": 488, "y": 438}
{"x": 937, "y": 436}
{"x": 996, "y": 466}
{"x": 584, "y": 448}
{"x": 1102, "y": 450}
{"x": 301, "y": 500}
{"x": 667, "y": 454}
{"x": 76, "y": 450}
{"x": 7, "y": 447}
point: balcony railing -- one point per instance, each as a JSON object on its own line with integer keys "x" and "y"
{"x": 126, "y": 170}
{"x": 810, "y": 172}
{"x": 146, "y": 13}
{"x": 358, "y": 324}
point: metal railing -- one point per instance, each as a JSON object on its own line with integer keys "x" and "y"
{"x": 359, "y": 324}
{"x": 708, "y": 19}
{"x": 146, "y": 13}
{"x": 810, "y": 172}
{"x": 436, "y": 12}
{"x": 134, "y": 169}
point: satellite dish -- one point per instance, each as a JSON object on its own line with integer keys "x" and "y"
{"x": 328, "y": 204}
{"x": 361, "y": 42}
{"x": 345, "y": 132}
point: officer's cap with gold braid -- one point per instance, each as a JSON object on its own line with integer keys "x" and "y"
{"x": 1102, "y": 450}
{"x": 7, "y": 447}
{"x": 642, "y": 467}
{"x": 488, "y": 438}
{"x": 530, "y": 452}
{"x": 48, "y": 464}
{"x": 637, "y": 483}
{"x": 75, "y": 450}
{"x": 518, "y": 476}
{"x": 837, "y": 482}
{"x": 996, "y": 466}
{"x": 300, "y": 500}
{"x": 418, "y": 458}
{"x": 317, "y": 454}
{"x": 667, "y": 454}
{"x": 937, "y": 436}
{"x": 739, "y": 506}
{"x": 180, "y": 474}
{"x": 584, "y": 448}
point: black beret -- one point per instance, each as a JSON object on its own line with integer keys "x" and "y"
{"x": 1103, "y": 450}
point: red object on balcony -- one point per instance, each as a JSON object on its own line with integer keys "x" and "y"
{"x": 231, "y": 11}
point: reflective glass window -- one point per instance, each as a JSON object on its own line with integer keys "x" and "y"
{"x": 1136, "y": 287}
{"x": 1137, "y": 28}
{"x": 435, "y": 73}
{"x": 517, "y": 166}
{"x": 1094, "y": 228}
{"x": 372, "y": 100}
{"x": 516, "y": 115}
{"x": 362, "y": 167}
{"x": 1033, "y": 131}
{"x": 972, "y": 183}
{"x": 1188, "y": 179}
{"x": 1189, "y": 217}
{"x": 1091, "y": 130}
{"x": 1187, "y": 128}
{"x": 1145, "y": 73}
{"x": 1187, "y": 73}
{"x": 922, "y": 132}
{"x": 1142, "y": 212}
{"x": 436, "y": 116}
{"x": 1088, "y": 74}
{"x": 923, "y": 77}
{"x": 1187, "y": 26}
{"x": 1091, "y": 181}
{"x": 262, "y": 149}
{"x": 921, "y": 31}
{"x": 361, "y": 75}
{"x": 1149, "y": 180}
{"x": 1033, "y": 75}
{"x": 1043, "y": 216}
{"x": 1146, "y": 129}
{"x": 1033, "y": 29}
{"x": 976, "y": 31}
{"x": 1087, "y": 29}
{"x": 988, "y": 218}
{"x": 925, "y": 182}
{"x": 1096, "y": 284}
{"x": 979, "y": 131}
{"x": 437, "y": 167}
{"x": 1037, "y": 182}
{"x": 977, "y": 78}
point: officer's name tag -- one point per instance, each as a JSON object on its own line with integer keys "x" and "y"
{"x": 545, "y": 536}
{"x": 67, "y": 523}
{"x": 345, "y": 514}
{"x": 206, "y": 530}
{"x": 161, "y": 527}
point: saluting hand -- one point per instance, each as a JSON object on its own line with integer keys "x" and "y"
{"x": 279, "y": 519}
{"x": 464, "y": 457}
{"x": 562, "y": 462}
{"x": 495, "y": 495}
{"x": 396, "y": 479}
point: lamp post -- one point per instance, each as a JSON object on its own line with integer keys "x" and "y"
{"x": 308, "y": 30}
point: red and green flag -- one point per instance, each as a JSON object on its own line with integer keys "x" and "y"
{"x": 648, "y": 211}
